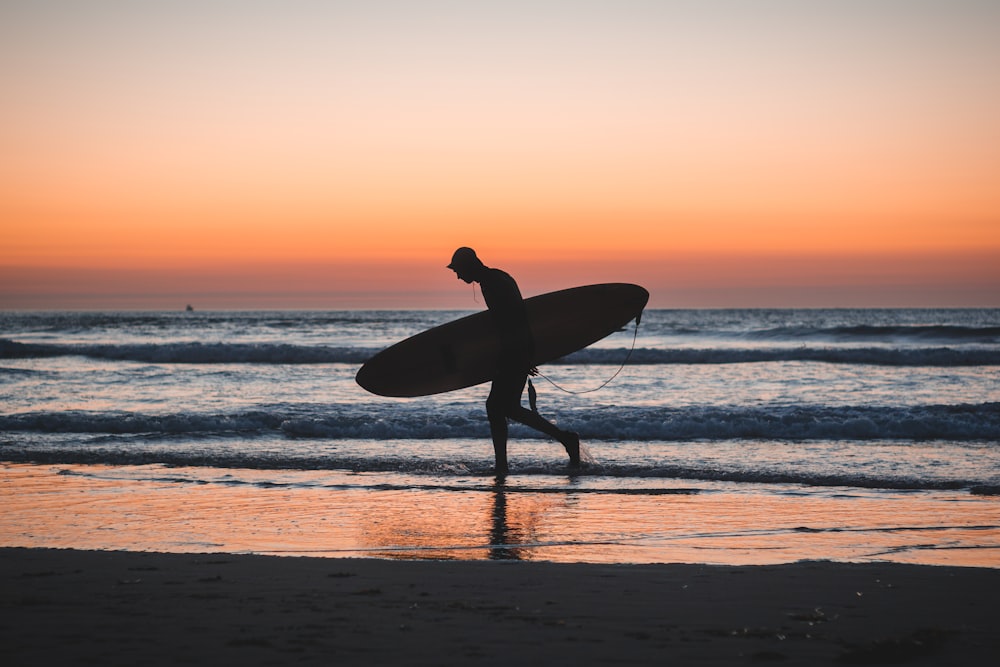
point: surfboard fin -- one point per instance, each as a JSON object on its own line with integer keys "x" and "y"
{"x": 532, "y": 396}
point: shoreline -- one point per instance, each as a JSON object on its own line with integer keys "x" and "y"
{"x": 114, "y": 607}
{"x": 326, "y": 513}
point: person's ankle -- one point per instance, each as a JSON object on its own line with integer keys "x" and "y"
{"x": 571, "y": 441}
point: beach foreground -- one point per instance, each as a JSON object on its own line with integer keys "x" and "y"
{"x": 110, "y": 608}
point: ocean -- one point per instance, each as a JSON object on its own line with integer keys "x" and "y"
{"x": 728, "y": 436}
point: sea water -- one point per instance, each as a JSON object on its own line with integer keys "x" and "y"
{"x": 730, "y": 436}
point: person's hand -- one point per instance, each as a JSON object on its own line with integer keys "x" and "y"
{"x": 533, "y": 371}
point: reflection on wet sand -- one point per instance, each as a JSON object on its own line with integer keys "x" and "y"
{"x": 502, "y": 538}
{"x": 462, "y": 526}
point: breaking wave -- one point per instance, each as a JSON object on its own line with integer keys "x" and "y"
{"x": 271, "y": 353}
{"x": 979, "y": 422}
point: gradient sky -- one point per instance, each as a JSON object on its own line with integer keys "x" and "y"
{"x": 333, "y": 154}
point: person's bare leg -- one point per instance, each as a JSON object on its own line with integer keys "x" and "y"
{"x": 498, "y": 431}
{"x": 497, "y": 416}
{"x": 569, "y": 439}
{"x": 572, "y": 444}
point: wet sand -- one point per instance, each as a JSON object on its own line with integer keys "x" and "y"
{"x": 322, "y": 513}
{"x": 120, "y": 608}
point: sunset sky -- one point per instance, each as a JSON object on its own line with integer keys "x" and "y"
{"x": 255, "y": 154}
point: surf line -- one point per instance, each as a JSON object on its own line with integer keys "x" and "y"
{"x": 533, "y": 395}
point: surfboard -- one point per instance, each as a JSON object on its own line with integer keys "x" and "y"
{"x": 463, "y": 353}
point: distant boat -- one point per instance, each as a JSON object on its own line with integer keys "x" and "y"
{"x": 189, "y": 308}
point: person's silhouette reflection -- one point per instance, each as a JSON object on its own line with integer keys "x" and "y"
{"x": 500, "y": 546}
{"x": 515, "y": 360}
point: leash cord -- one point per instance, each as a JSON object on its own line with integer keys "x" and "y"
{"x": 604, "y": 384}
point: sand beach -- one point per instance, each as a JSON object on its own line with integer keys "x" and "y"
{"x": 121, "y": 608}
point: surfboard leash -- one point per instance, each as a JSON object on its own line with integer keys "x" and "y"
{"x": 531, "y": 388}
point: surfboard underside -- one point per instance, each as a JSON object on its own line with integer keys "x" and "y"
{"x": 463, "y": 353}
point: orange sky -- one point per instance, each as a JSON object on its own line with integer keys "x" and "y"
{"x": 302, "y": 155}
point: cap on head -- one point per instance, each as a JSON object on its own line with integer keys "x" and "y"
{"x": 464, "y": 258}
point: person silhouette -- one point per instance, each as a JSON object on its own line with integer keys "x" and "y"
{"x": 515, "y": 360}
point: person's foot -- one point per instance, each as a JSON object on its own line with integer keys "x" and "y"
{"x": 500, "y": 471}
{"x": 571, "y": 441}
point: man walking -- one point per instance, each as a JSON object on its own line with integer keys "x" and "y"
{"x": 515, "y": 361}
